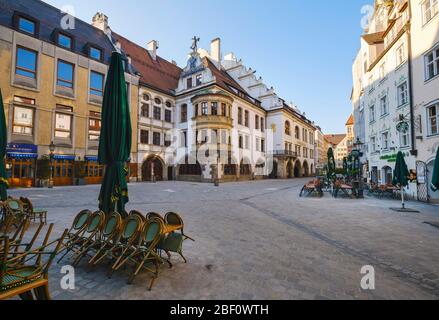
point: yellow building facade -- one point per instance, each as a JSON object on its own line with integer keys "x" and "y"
{"x": 52, "y": 90}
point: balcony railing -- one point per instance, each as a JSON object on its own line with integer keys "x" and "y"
{"x": 284, "y": 153}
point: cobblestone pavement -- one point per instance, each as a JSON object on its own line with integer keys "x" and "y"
{"x": 259, "y": 240}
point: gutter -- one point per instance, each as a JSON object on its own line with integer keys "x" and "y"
{"x": 413, "y": 151}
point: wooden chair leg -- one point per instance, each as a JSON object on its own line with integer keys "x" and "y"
{"x": 27, "y": 296}
{"x": 42, "y": 293}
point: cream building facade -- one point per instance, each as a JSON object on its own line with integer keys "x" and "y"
{"x": 395, "y": 81}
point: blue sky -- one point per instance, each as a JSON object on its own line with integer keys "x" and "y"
{"x": 304, "y": 49}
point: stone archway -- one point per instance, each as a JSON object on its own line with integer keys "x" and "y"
{"x": 305, "y": 169}
{"x": 297, "y": 169}
{"x": 290, "y": 172}
{"x": 387, "y": 174}
{"x": 152, "y": 167}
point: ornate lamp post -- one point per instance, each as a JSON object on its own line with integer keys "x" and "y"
{"x": 52, "y": 147}
{"x": 358, "y": 166}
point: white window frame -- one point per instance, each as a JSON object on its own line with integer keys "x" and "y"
{"x": 400, "y": 55}
{"x": 429, "y": 126}
{"x": 385, "y": 142}
{"x": 372, "y": 113}
{"x": 402, "y": 137}
{"x": 384, "y": 107}
{"x": 433, "y": 7}
{"x": 402, "y": 92}
{"x": 435, "y": 63}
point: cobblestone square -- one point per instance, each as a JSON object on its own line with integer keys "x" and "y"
{"x": 259, "y": 240}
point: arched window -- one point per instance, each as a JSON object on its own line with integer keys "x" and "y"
{"x": 157, "y": 101}
{"x": 287, "y": 128}
{"x": 297, "y": 133}
{"x": 183, "y": 113}
{"x": 168, "y": 104}
{"x": 146, "y": 97}
{"x": 144, "y": 111}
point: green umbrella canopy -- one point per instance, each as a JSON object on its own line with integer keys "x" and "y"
{"x": 115, "y": 139}
{"x": 401, "y": 173}
{"x": 3, "y": 144}
{"x": 435, "y": 177}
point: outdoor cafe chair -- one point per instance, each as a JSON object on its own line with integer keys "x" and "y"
{"x": 75, "y": 236}
{"x": 116, "y": 249}
{"x": 152, "y": 215}
{"x": 139, "y": 214}
{"x": 32, "y": 212}
{"x": 14, "y": 213}
{"x": 90, "y": 233}
{"x": 174, "y": 219}
{"x": 110, "y": 229}
{"x": 21, "y": 274}
{"x": 144, "y": 255}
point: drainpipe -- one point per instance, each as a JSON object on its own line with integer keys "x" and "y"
{"x": 413, "y": 151}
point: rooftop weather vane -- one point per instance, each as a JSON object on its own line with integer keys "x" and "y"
{"x": 194, "y": 46}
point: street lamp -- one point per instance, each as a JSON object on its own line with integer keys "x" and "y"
{"x": 357, "y": 154}
{"x": 52, "y": 148}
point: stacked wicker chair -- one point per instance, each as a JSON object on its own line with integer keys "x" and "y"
{"x": 23, "y": 267}
{"x": 136, "y": 241}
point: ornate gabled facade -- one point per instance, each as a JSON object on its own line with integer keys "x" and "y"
{"x": 293, "y": 133}
{"x": 205, "y": 122}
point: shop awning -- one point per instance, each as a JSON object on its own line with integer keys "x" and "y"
{"x": 16, "y": 155}
{"x": 64, "y": 157}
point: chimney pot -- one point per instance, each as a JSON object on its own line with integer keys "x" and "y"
{"x": 100, "y": 21}
{"x": 152, "y": 47}
{"x": 215, "y": 50}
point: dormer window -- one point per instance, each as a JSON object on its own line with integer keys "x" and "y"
{"x": 95, "y": 53}
{"x": 26, "y": 24}
{"x": 65, "y": 41}
{"x": 189, "y": 83}
{"x": 199, "y": 79}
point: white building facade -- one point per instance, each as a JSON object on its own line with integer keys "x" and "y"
{"x": 395, "y": 81}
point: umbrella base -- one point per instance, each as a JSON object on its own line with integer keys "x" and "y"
{"x": 408, "y": 210}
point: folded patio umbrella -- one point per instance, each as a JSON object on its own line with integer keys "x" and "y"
{"x": 401, "y": 175}
{"x": 3, "y": 143}
{"x": 435, "y": 176}
{"x": 115, "y": 139}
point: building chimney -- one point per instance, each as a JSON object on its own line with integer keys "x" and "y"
{"x": 152, "y": 47}
{"x": 215, "y": 50}
{"x": 100, "y": 21}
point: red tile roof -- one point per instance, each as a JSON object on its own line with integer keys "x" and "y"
{"x": 159, "y": 74}
{"x": 335, "y": 139}
{"x": 350, "y": 121}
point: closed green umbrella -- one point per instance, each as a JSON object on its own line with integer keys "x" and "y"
{"x": 435, "y": 177}
{"x": 115, "y": 139}
{"x": 401, "y": 175}
{"x": 3, "y": 143}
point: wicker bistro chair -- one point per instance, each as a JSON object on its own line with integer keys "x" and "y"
{"x": 117, "y": 248}
{"x": 32, "y": 212}
{"x": 152, "y": 215}
{"x": 139, "y": 214}
{"x": 14, "y": 214}
{"x": 173, "y": 236}
{"x": 110, "y": 230}
{"x": 144, "y": 255}
{"x": 21, "y": 274}
{"x": 83, "y": 231}
{"x": 174, "y": 219}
